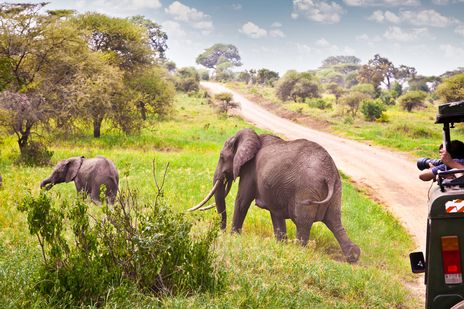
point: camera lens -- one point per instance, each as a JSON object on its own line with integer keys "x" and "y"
{"x": 423, "y": 163}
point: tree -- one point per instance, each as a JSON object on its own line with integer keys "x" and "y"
{"x": 367, "y": 89}
{"x": 412, "y": 99}
{"x": 30, "y": 43}
{"x": 352, "y": 100}
{"x": 157, "y": 37}
{"x": 123, "y": 42}
{"x": 219, "y": 54}
{"x": 244, "y": 77}
{"x": 154, "y": 91}
{"x": 336, "y": 90}
{"x": 452, "y": 88}
{"x": 372, "y": 109}
{"x": 336, "y": 60}
{"x": 381, "y": 70}
{"x": 266, "y": 77}
{"x": 187, "y": 79}
{"x": 297, "y": 86}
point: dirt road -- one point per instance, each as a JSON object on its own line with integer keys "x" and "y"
{"x": 391, "y": 177}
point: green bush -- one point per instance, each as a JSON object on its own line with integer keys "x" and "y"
{"x": 35, "y": 154}
{"x": 318, "y": 103}
{"x": 372, "y": 109}
{"x": 412, "y": 99}
{"x": 148, "y": 247}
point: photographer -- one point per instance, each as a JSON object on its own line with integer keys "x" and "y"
{"x": 453, "y": 158}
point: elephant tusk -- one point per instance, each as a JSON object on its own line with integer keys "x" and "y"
{"x": 206, "y": 199}
{"x": 207, "y": 207}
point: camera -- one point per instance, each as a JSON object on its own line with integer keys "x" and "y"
{"x": 423, "y": 163}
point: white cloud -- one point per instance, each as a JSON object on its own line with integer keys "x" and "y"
{"x": 317, "y": 10}
{"x": 382, "y": 2}
{"x": 430, "y": 18}
{"x": 427, "y": 18}
{"x": 146, "y": 4}
{"x": 459, "y": 30}
{"x": 252, "y": 30}
{"x": 276, "y": 25}
{"x": 173, "y": 28}
{"x": 440, "y": 2}
{"x": 322, "y": 43}
{"x": 192, "y": 16}
{"x": 451, "y": 51}
{"x": 399, "y": 35}
{"x": 387, "y": 16}
{"x": 276, "y": 33}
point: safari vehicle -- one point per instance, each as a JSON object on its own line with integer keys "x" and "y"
{"x": 443, "y": 265}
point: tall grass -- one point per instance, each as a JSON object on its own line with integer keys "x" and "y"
{"x": 261, "y": 272}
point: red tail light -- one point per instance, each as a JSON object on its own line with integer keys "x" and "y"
{"x": 451, "y": 259}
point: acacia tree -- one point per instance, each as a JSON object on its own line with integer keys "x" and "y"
{"x": 157, "y": 37}
{"x": 29, "y": 43}
{"x": 380, "y": 70}
{"x": 297, "y": 86}
{"x": 220, "y": 56}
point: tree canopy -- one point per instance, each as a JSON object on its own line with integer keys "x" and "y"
{"x": 219, "y": 54}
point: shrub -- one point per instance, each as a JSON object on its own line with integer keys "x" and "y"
{"x": 297, "y": 86}
{"x": 319, "y": 103}
{"x": 412, "y": 99}
{"x": 35, "y": 154}
{"x": 452, "y": 89}
{"x": 148, "y": 247}
{"x": 372, "y": 109}
{"x": 367, "y": 89}
{"x": 352, "y": 101}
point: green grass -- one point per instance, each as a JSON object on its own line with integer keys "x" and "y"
{"x": 261, "y": 272}
{"x": 414, "y": 132}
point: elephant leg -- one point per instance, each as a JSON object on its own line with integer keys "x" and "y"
{"x": 95, "y": 194}
{"x": 280, "y": 227}
{"x": 302, "y": 231}
{"x": 349, "y": 249}
{"x": 245, "y": 196}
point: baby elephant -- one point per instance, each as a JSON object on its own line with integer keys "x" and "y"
{"x": 88, "y": 176}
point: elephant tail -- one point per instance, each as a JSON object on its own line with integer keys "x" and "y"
{"x": 330, "y": 193}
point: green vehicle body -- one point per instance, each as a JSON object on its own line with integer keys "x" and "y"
{"x": 445, "y": 229}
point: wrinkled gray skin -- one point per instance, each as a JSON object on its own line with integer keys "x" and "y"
{"x": 88, "y": 176}
{"x": 295, "y": 180}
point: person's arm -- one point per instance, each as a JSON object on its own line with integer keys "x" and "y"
{"x": 427, "y": 175}
{"x": 446, "y": 159}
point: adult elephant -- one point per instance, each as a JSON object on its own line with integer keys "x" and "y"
{"x": 295, "y": 180}
{"x": 88, "y": 176}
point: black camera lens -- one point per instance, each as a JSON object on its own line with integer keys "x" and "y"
{"x": 423, "y": 163}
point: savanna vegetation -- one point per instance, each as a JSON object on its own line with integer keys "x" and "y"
{"x": 89, "y": 84}
{"x": 378, "y": 102}
{"x": 252, "y": 270}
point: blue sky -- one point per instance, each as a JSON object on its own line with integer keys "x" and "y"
{"x": 298, "y": 34}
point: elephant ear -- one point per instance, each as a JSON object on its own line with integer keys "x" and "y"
{"x": 248, "y": 145}
{"x": 72, "y": 168}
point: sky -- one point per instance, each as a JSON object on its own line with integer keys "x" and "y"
{"x": 298, "y": 34}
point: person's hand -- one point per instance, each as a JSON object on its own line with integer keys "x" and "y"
{"x": 445, "y": 157}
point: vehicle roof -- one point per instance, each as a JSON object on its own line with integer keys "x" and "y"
{"x": 452, "y": 112}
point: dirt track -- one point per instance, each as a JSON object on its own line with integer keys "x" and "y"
{"x": 391, "y": 177}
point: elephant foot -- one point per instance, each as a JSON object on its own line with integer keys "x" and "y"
{"x": 352, "y": 254}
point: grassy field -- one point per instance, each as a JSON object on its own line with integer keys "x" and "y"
{"x": 413, "y": 132}
{"x": 260, "y": 272}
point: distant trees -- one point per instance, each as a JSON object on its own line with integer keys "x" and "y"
{"x": 379, "y": 70}
{"x": 266, "y": 77}
{"x": 297, "y": 86}
{"x": 187, "y": 79}
{"x": 452, "y": 88}
{"x": 337, "y": 60}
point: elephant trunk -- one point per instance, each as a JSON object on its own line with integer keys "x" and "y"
{"x": 220, "y": 199}
{"x": 46, "y": 183}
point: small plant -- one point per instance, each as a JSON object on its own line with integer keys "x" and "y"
{"x": 226, "y": 101}
{"x": 372, "y": 109}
